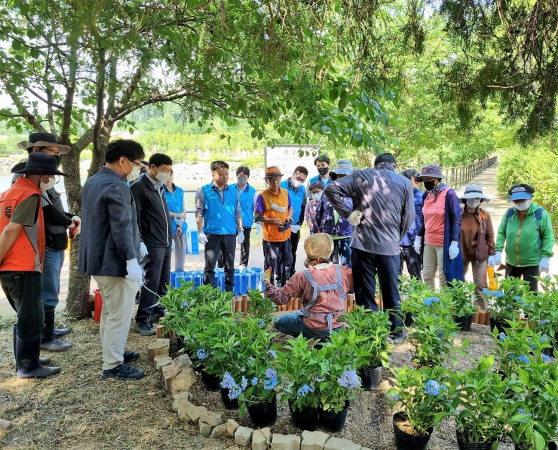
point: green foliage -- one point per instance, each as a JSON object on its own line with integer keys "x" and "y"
{"x": 461, "y": 295}
{"x": 261, "y": 307}
{"x": 505, "y": 303}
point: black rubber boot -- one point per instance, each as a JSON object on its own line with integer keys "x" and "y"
{"x": 42, "y": 359}
{"x": 59, "y": 332}
{"x": 27, "y": 355}
{"x": 48, "y": 341}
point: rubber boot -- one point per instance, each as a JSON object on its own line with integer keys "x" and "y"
{"x": 59, "y": 332}
{"x": 27, "y": 355}
{"x": 48, "y": 341}
{"x": 42, "y": 359}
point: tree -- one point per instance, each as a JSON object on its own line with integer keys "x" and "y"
{"x": 79, "y": 68}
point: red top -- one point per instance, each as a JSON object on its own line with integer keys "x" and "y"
{"x": 434, "y": 211}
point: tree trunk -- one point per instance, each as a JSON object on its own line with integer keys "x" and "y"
{"x": 77, "y": 300}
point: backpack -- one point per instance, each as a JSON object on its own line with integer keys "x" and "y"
{"x": 538, "y": 215}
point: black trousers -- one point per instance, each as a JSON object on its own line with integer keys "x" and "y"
{"x": 365, "y": 267}
{"x": 217, "y": 244}
{"x": 24, "y": 291}
{"x": 410, "y": 257}
{"x": 244, "y": 251}
{"x": 157, "y": 278}
{"x": 526, "y": 273}
{"x": 295, "y": 239}
{"x": 278, "y": 256}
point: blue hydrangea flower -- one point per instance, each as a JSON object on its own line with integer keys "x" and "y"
{"x": 545, "y": 358}
{"x": 524, "y": 359}
{"x": 396, "y": 397}
{"x": 235, "y": 391}
{"x": 244, "y": 383}
{"x": 544, "y": 339}
{"x": 532, "y": 346}
{"x": 261, "y": 323}
{"x": 432, "y": 388}
{"x": 228, "y": 381}
{"x": 184, "y": 305}
{"x": 270, "y": 373}
{"x": 254, "y": 381}
{"x": 511, "y": 355}
{"x": 349, "y": 379}
{"x": 272, "y": 353}
{"x": 270, "y": 383}
{"x": 303, "y": 390}
{"x": 202, "y": 353}
{"x": 503, "y": 337}
{"x": 431, "y": 300}
{"x": 497, "y": 294}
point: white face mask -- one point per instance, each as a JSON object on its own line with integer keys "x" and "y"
{"x": 473, "y": 202}
{"x": 163, "y": 177}
{"x": 522, "y": 206}
{"x": 49, "y": 185}
{"x": 295, "y": 182}
{"x": 317, "y": 195}
{"x": 134, "y": 175}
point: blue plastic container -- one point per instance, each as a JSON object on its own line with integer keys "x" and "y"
{"x": 244, "y": 280}
{"x": 198, "y": 278}
{"x": 237, "y": 277}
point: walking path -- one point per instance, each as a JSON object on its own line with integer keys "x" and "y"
{"x": 497, "y": 206}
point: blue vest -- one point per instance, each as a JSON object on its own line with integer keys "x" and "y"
{"x": 317, "y": 178}
{"x": 246, "y": 203}
{"x": 175, "y": 202}
{"x": 219, "y": 215}
{"x": 296, "y": 198}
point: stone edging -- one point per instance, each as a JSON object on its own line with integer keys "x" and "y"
{"x": 178, "y": 376}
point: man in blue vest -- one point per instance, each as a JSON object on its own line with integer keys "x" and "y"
{"x": 322, "y": 163}
{"x": 219, "y": 220}
{"x": 297, "y": 193}
{"x": 247, "y": 196}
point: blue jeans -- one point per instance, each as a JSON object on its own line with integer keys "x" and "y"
{"x": 293, "y": 325}
{"x": 51, "y": 277}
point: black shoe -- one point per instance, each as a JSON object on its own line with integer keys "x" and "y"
{"x": 61, "y": 332}
{"x": 130, "y": 356}
{"x": 144, "y": 328}
{"x": 27, "y": 355}
{"x": 48, "y": 341}
{"x": 123, "y": 372}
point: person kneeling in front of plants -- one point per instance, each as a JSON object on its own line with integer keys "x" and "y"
{"x": 321, "y": 288}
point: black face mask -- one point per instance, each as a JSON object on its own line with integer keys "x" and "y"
{"x": 429, "y": 185}
{"x": 323, "y": 170}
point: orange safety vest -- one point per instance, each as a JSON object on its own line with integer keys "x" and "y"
{"x": 271, "y": 231}
{"x": 28, "y": 252}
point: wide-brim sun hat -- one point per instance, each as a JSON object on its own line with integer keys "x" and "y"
{"x": 343, "y": 167}
{"x": 40, "y": 164}
{"x": 430, "y": 171}
{"x": 474, "y": 190}
{"x": 519, "y": 193}
{"x": 319, "y": 245}
{"x": 42, "y": 139}
{"x": 272, "y": 172}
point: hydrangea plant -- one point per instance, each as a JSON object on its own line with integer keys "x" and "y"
{"x": 461, "y": 296}
{"x": 506, "y": 303}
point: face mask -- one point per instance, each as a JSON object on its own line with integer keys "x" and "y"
{"x": 317, "y": 195}
{"x": 323, "y": 170}
{"x": 49, "y": 185}
{"x": 134, "y": 175}
{"x": 472, "y": 202}
{"x": 429, "y": 185}
{"x": 162, "y": 176}
{"x": 295, "y": 182}
{"x": 522, "y": 206}
{"x": 242, "y": 181}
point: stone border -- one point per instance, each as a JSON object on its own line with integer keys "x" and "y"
{"x": 178, "y": 377}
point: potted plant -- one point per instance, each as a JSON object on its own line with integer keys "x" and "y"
{"x": 462, "y": 297}
{"x": 505, "y": 304}
{"x": 374, "y": 326}
{"x": 422, "y": 395}
{"x": 481, "y": 405}
{"x": 298, "y": 367}
{"x": 413, "y": 291}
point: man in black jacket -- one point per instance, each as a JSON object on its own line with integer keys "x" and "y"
{"x": 156, "y": 232}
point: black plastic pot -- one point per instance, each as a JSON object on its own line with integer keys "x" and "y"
{"x": 405, "y": 441}
{"x": 305, "y": 419}
{"x": 263, "y": 414}
{"x": 500, "y": 325}
{"x": 548, "y": 351}
{"x": 465, "y": 322}
{"x": 462, "y": 445}
{"x": 409, "y": 320}
{"x": 371, "y": 377}
{"x": 210, "y": 381}
{"x": 333, "y": 421}
{"x": 227, "y": 402}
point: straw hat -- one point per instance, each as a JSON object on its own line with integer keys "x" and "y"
{"x": 319, "y": 245}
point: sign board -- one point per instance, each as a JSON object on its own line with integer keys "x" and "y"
{"x": 288, "y": 156}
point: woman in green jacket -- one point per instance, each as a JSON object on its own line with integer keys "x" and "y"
{"x": 526, "y": 232}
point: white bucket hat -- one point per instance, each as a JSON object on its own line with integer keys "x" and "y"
{"x": 474, "y": 190}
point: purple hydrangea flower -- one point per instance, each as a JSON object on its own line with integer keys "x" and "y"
{"x": 349, "y": 379}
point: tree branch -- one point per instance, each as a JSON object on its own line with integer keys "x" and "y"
{"x": 24, "y": 112}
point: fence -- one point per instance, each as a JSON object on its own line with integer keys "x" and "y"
{"x": 457, "y": 176}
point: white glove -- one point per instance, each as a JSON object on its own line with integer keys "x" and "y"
{"x": 453, "y": 250}
{"x": 172, "y": 246}
{"x": 492, "y": 261}
{"x": 355, "y": 218}
{"x": 497, "y": 258}
{"x": 134, "y": 271}
{"x": 258, "y": 228}
{"x": 417, "y": 244}
{"x": 77, "y": 223}
{"x": 544, "y": 265}
{"x": 202, "y": 238}
{"x": 295, "y": 228}
{"x": 143, "y": 250}
{"x": 240, "y": 237}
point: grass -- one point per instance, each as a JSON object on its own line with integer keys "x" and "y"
{"x": 77, "y": 410}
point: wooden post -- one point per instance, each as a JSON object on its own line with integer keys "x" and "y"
{"x": 237, "y": 305}
{"x": 160, "y": 331}
{"x": 244, "y": 303}
{"x": 350, "y": 302}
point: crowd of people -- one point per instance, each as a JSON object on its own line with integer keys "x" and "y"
{"x": 366, "y": 225}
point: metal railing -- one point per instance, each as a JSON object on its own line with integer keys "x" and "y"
{"x": 457, "y": 176}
